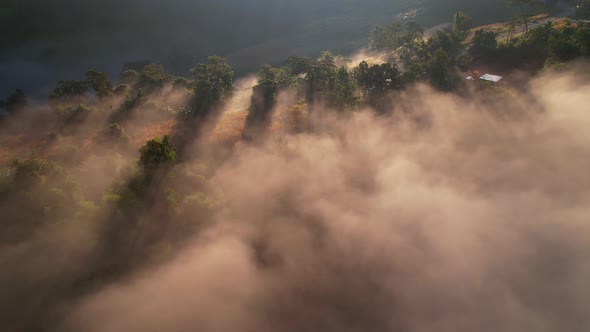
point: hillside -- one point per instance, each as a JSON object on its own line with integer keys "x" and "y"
{"x": 45, "y": 41}
{"x": 386, "y": 185}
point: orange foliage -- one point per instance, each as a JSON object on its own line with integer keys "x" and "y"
{"x": 159, "y": 129}
{"x": 229, "y": 127}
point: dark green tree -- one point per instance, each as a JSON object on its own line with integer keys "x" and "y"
{"x": 153, "y": 76}
{"x": 380, "y": 78}
{"x": 129, "y": 76}
{"x": 181, "y": 83}
{"x": 122, "y": 90}
{"x": 412, "y": 31}
{"x": 484, "y": 43}
{"x": 212, "y": 83}
{"x": 561, "y": 48}
{"x": 33, "y": 170}
{"x": 264, "y": 98}
{"x": 345, "y": 96}
{"x": 581, "y": 38}
{"x": 14, "y": 102}
{"x": 114, "y": 133}
{"x": 156, "y": 153}
{"x": 462, "y": 24}
{"x": 280, "y": 77}
{"x": 132, "y": 102}
{"x": 394, "y": 35}
{"x": 376, "y": 82}
{"x": 299, "y": 65}
{"x": 415, "y": 49}
{"x": 70, "y": 89}
{"x": 70, "y": 115}
{"x": 99, "y": 82}
{"x": 321, "y": 79}
{"x": 415, "y": 71}
{"x": 448, "y": 41}
{"x": 441, "y": 73}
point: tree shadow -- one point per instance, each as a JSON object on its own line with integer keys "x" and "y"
{"x": 264, "y": 99}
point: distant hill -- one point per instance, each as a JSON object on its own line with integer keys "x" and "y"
{"x": 44, "y": 38}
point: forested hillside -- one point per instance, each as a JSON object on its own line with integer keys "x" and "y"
{"x": 379, "y": 185}
{"x": 48, "y": 39}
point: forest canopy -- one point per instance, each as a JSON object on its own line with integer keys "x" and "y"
{"x": 390, "y": 187}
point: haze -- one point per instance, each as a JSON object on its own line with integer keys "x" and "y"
{"x": 294, "y": 166}
{"x": 45, "y": 39}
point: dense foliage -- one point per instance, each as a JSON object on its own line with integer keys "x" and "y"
{"x": 158, "y": 192}
{"x": 550, "y": 44}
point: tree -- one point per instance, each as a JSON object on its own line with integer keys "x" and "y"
{"x": 393, "y": 35}
{"x": 415, "y": 71}
{"x": 484, "y": 43}
{"x": 69, "y": 89}
{"x": 212, "y": 82}
{"x": 153, "y": 76}
{"x": 122, "y": 90}
{"x": 380, "y": 78}
{"x": 299, "y": 65}
{"x": 156, "y": 153}
{"x": 264, "y": 98}
{"x": 582, "y": 38}
{"x": 462, "y": 24}
{"x": 320, "y": 80}
{"x": 412, "y": 31}
{"x": 416, "y": 48}
{"x": 14, "y": 102}
{"x": 561, "y": 48}
{"x": 99, "y": 82}
{"x": 114, "y": 132}
{"x": 375, "y": 82}
{"x": 440, "y": 71}
{"x": 280, "y": 77}
{"x": 378, "y": 38}
{"x": 328, "y": 59}
{"x": 69, "y": 115}
{"x": 129, "y": 76}
{"x": 33, "y": 170}
{"x": 181, "y": 83}
{"x": 130, "y": 103}
{"x": 345, "y": 96}
{"x": 450, "y": 43}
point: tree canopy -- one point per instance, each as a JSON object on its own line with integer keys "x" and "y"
{"x": 157, "y": 152}
{"x": 212, "y": 83}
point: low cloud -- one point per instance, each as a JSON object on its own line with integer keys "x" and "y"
{"x": 451, "y": 214}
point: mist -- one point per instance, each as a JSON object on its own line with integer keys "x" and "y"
{"x": 66, "y": 37}
{"x": 448, "y": 214}
{"x": 372, "y": 188}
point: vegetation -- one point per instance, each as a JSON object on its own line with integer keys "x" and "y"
{"x": 394, "y": 35}
{"x": 212, "y": 83}
{"x": 14, "y": 102}
{"x": 158, "y": 189}
{"x": 156, "y": 153}
{"x": 550, "y": 44}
